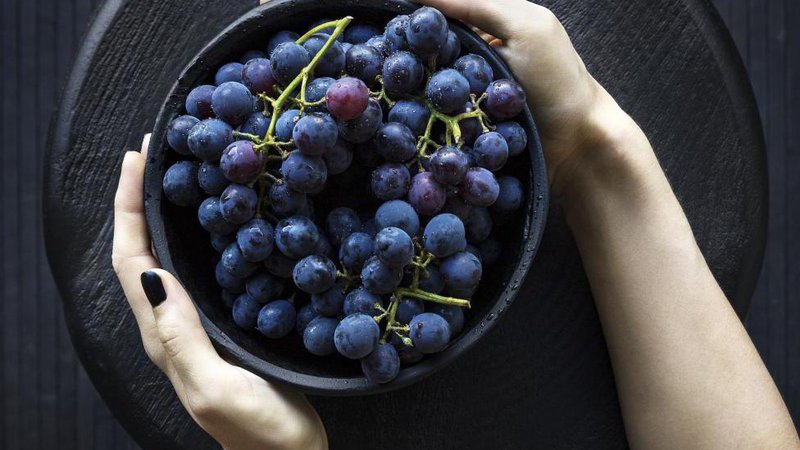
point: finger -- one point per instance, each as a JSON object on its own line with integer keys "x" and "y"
{"x": 496, "y": 17}
{"x": 182, "y": 336}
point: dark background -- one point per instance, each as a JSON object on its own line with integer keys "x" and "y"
{"x": 46, "y": 399}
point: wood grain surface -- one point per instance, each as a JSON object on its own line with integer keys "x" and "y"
{"x": 541, "y": 380}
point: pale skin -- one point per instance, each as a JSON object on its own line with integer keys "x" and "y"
{"x": 687, "y": 374}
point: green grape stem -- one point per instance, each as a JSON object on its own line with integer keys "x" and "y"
{"x": 431, "y": 297}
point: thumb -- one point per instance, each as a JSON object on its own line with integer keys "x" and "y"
{"x": 185, "y": 342}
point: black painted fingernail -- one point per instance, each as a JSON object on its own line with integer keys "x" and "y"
{"x": 153, "y": 288}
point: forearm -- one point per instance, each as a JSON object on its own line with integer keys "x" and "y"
{"x": 687, "y": 373}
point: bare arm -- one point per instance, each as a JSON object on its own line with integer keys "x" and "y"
{"x": 687, "y": 374}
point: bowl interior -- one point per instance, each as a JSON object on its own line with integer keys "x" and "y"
{"x": 183, "y": 246}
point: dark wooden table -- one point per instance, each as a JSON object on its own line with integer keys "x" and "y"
{"x": 542, "y": 378}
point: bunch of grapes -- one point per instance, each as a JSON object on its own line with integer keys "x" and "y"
{"x": 397, "y": 112}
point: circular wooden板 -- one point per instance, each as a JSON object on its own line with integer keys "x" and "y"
{"x": 542, "y": 377}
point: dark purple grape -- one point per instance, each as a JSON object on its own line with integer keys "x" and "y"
{"x": 305, "y": 315}
{"x": 210, "y": 216}
{"x": 356, "y": 336}
{"x": 285, "y": 125}
{"x": 296, "y": 237}
{"x": 515, "y": 136}
{"x": 408, "y": 353}
{"x": 338, "y": 158}
{"x": 209, "y": 138}
{"x": 444, "y": 235}
{"x": 314, "y": 134}
{"x": 257, "y": 123}
{"x": 238, "y": 203}
{"x": 362, "y": 301}
{"x": 342, "y": 222}
{"x": 355, "y": 250}
{"x": 280, "y": 265}
{"x": 362, "y": 129}
{"x": 396, "y": 142}
{"x": 198, "y": 102}
{"x": 449, "y": 51}
{"x": 285, "y": 201}
{"x": 430, "y": 333}
{"x": 433, "y": 282}
{"x": 511, "y": 196}
{"x": 479, "y": 187}
{"x": 180, "y": 184}
{"x": 221, "y": 241}
{"x": 365, "y": 63}
{"x": 426, "y": 31}
{"x": 394, "y": 247}
{"x": 229, "y": 72}
{"x": 490, "y": 151}
{"x": 453, "y": 315}
{"x": 457, "y": 206}
{"x": 245, "y": 312}
{"x": 227, "y": 281}
{"x": 232, "y": 102}
{"x": 235, "y": 263}
{"x": 408, "y": 308}
{"x": 462, "y": 273}
{"x": 241, "y": 162}
{"x": 426, "y": 195}
{"x": 255, "y": 239}
{"x": 257, "y": 76}
{"x": 448, "y": 165}
{"x": 330, "y": 302}
{"x": 381, "y": 44}
{"x": 505, "y": 99}
{"x": 251, "y": 55}
{"x": 347, "y": 98}
{"x": 490, "y": 249}
{"x": 315, "y": 91}
{"x": 306, "y": 174}
{"x": 379, "y": 278}
{"x": 264, "y": 287}
{"x": 346, "y": 46}
{"x": 287, "y": 61}
{"x": 478, "y": 225}
{"x": 279, "y": 38}
{"x": 476, "y": 70}
{"x": 412, "y": 114}
{"x": 382, "y": 365}
{"x": 318, "y": 336}
{"x": 324, "y": 247}
{"x": 358, "y": 33}
{"x": 332, "y": 62}
{"x": 403, "y": 73}
{"x": 178, "y": 133}
{"x": 390, "y": 181}
{"x": 447, "y": 90}
{"x": 276, "y": 319}
{"x": 395, "y": 32}
{"x": 397, "y": 213}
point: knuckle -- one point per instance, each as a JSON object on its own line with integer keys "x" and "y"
{"x": 206, "y": 406}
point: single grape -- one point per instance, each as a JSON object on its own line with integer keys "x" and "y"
{"x": 397, "y": 213}
{"x": 476, "y": 70}
{"x": 429, "y": 332}
{"x": 490, "y": 249}
{"x": 198, "y": 102}
{"x": 227, "y": 280}
{"x": 515, "y": 136}
{"x": 245, "y": 312}
{"x": 341, "y": 223}
{"x": 365, "y": 63}
{"x": 449, "y": 51}
{"x": 362, "y": 129}
{"x": 251, "y": 55}
{"x": 210, "y": 216}
{"x": 235, "y": 263}
{"x": 394, "y": 247}
{"x": 358, "y": 33}
{"x": 178, "y": 133}
{"x": 390, "y": 181}
{"x": 324, "y": 248}
{"x": 181, "y": 186}
{"x": 444, "y": 235}
{"x": 511, "y": 196}
{"x": 478, "y": 225}
{"x": 479, "y": 187}
{"x": 379, "y": 278}
{"x": 433, "y": 282}
{"x": 448, "y": 165}
{"x": 408, "y": 308}
{"x": 356, "y": 336}
{"x": 257, "y": 76}
{"x": 330, "y": 302}
{"x": 458, "y": 207}
{"x": 314, "y": 134}
{"x": 232, "y": 102}
{"x": 209, "y": 138}
{"x": 426, "y": 31}
{"x": 257, "y": 123}
{"x": 396, "y": 142}
{"x": 318, "y": 336}
{"x": 362, "y": 301}
{"x": 403, "y": 73}
{"x": 382, "y": 365}
{"x": 287, "y": 60}
{"x": 285, "y": 125}
{"x": 276, "y": 319}
{"x": 447, "y": 90}
{"x": 338, "y": 158}
{"x": 308, "y": 211}
{"x": 426, "y": 195}
{"x": 347, "y": 98}
{"x": 314, "y": 274}
{"x": 241, "y": 163}
{"x": 505, "y": 99}
{"x": 304, "y": 317}
{"x": 285, "y": 201}
{"x": 381, "y": 44}
{"x": 462, "y": 273}
{"x": 355, "y": 250}
{"x": 332, "y": 62}
{"x": 408, "y": 353}
{"x": 229, "y": 72}
{"x": 221, "y": 241}
{"x": 238, "y": 203}
{"x": 264, "y": 287}
{"x": 491, "y": 151}
{"x": 412, "y": 114}
{"x": 306, "y": 174}
{"x": 452, "y": 314}
{"x": 315, "y": 92}
{"x": 280, "y": 265}
{"x": 255, "y": 239}
{"x": 279, "y": 38}
{"x": 296, "y": 237}
{"x": 395, "y": 32}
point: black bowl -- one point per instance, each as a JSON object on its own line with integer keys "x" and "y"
{"x": 183, "y": 249}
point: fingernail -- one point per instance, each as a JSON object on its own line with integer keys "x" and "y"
{"x": 153, "y": 288}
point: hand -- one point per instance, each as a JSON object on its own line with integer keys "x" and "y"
{"x": 578, "y": 120}
{"x": 239, "y": 409}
